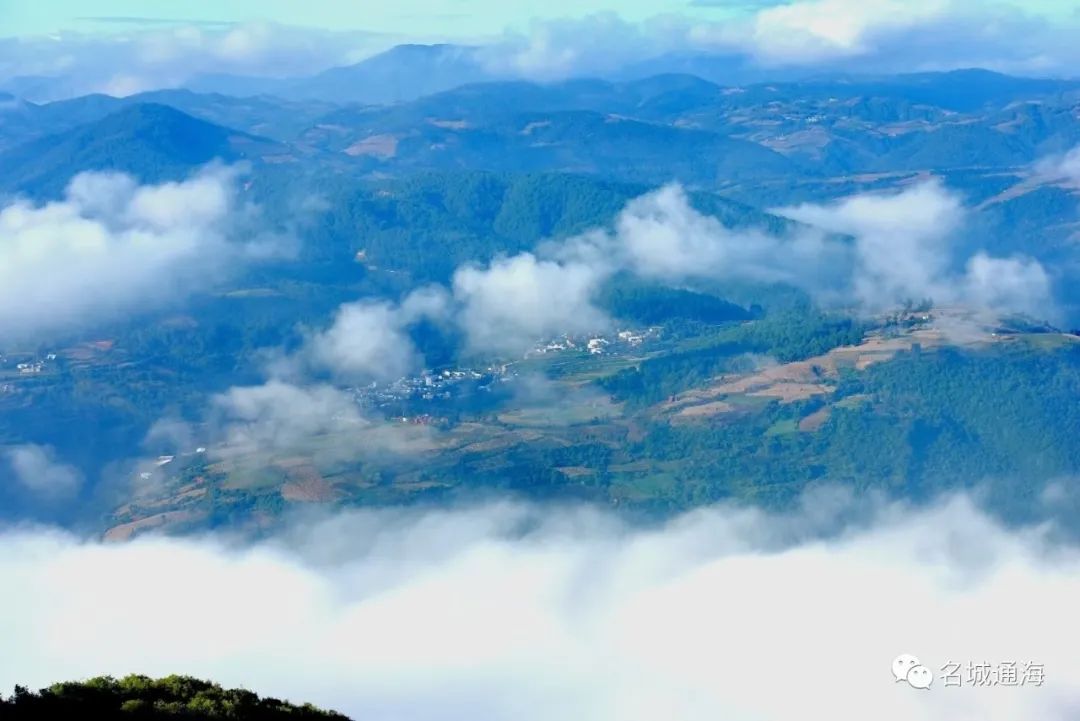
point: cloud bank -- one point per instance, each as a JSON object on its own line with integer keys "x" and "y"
{"x": 366, "y": 340}
{"x": 280, "y": 416}
{"x": 141, "y": 59}
{"x": 511, "y": 612}
{"x": 514, "y": 302}
{"x": 1063, "y": 168}
{"x": 36, "y": 469}
{"x": 661, "y": 236}
{"x": 802, "y": 37}
{"x": 869, "y": 252}
{"x": 761, "y": 40}
{"x": 112, "y": 246}
{"x": 905, "y": 248}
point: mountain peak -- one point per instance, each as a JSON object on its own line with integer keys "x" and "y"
{"x": 402, "y": 73}
{"x": 149, "y": 141}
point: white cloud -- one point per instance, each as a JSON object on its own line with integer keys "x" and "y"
{"x": 171, "y": 434}
{"x": 37, "y": 469}
{"x": 900, "y": 238}
{"x": 825, "y": 35}
{"x": 810, "y": 30}
{"x": 724, "y": 613}
{"x": 517, "y": 301}
{"x": 506, "y": 306}
{"x": 369, "y": 339}
{"x": 1061, "y": 168}
{"x": 927, "y": 210}
{"x": 319, "y": 421}
{"x": 889, "y": 36}
{"x": 661, "y": 235}
{"x": 884, "y": 36}
{"x": 1016, "y": 284}
{"x": 150, "y": 58}
{"x": 904, "y": 246}
{"x": 280, "y": 416}
{"x": 872, "y": 251}
{"x": 113, "y": 246}
{"x": 366, "y": 340}
{"x": 601, "y": 43}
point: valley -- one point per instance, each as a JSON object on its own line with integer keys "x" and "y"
{"x": 572, "y": 439}
{"x": 749, "y": 358}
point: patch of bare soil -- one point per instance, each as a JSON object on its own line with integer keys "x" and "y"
{"x": 705, "y": 410}
{"x": 815, "y": 420}
{"x": 305, "y": 484}
{"x": 379, "y": 146}
{"x": 791, "y": 392}
{"x": 795, "y": 381}
{"x": 126, "y": 531}
{"x": 575, "y": 471}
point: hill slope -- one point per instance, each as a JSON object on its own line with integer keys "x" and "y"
{"x": 152, "y": 142}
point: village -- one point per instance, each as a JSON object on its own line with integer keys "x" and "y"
{"x": 448, "y": 384}
{"x": 28, "y": 365}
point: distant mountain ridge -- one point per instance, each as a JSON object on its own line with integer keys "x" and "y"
{"x": 762, "y": 144}
{"x": 402, "y": 73}
{"x": 408, "y": 72}
{"x": 152, "y": 142}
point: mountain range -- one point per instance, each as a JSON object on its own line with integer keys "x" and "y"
{"x": 665, "y": 126}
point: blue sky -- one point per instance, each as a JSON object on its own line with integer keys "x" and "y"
{"x": 405, "y": 17}
{"x": 420, "y": 18}
{"x": 126, "y": 46}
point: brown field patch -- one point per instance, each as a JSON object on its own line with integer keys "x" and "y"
{"x": 497, "y": 443}
{"x": 306, "y": 484}
{"x": 800, "y": 379}
{"x": 182, "y": 495}
{"x": 866, "y": 360}
{"x": 125, "y": 531}
{"x": 815, "y": 420}
{"x": 575, "y": 471}
{"x": 310, "y": 491}
{"x": 791, "y": 392}
{"x": 379, "y": 146}
{"x": 705, "y": 410}
{"x": 449, "y": 124}
{"x": 633, "y": 467}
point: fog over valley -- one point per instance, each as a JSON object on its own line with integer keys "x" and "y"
{"x": 455, "y": 361}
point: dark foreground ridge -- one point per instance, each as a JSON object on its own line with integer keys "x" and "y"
{"x": 141, "y": 697}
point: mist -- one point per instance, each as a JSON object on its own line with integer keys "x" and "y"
{"x": 510, "y": 611}
{"x": 112, "y": 246}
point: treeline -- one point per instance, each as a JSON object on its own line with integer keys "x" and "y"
{"x": 142, "y": 697}
{"x": 421, "y": 227}
{"x": 1003, "y": 419}
{"x": 645, "y": 303}
{"x": 784, "y": 337}
{"x": 919, "y": 425}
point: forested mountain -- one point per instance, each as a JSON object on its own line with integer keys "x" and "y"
{"x": 148, "y": 141}
{"x": 441, "y": 360}
{"x": 646, "y": 130}
{"x": 729, "y": 366}
{"x": 404, "y": 72}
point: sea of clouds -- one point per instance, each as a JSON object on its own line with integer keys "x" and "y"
{"x": 510, "y": 611}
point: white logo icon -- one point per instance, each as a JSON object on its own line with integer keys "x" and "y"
{"x": 906, "y": 667}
